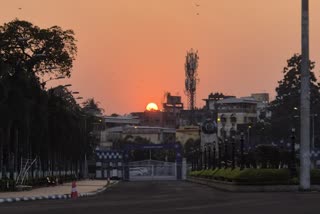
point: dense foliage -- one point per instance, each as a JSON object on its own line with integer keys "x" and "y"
{"x": 47, "y": 125}
{"x": 285, "y": 107}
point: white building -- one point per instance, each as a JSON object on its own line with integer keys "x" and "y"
{"x": 235, "y": 114}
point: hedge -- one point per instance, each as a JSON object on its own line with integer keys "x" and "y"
{"x": 254, "y": 176}
{"x": 7, "y": 185}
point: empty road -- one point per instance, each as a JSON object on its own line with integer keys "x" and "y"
{"x": 172, "y": 197}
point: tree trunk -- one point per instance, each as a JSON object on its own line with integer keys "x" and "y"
{"x": 7, "y": 143}
{"x": 1, "y": 151}
{"x": 15, "y": 149}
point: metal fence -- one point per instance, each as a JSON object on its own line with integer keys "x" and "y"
{"x": 152, "y": 170}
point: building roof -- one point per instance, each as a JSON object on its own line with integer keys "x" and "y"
{"x": 122, "y": 119}
{"x": 137, "y": 129}
{"x": 233, "y": 100}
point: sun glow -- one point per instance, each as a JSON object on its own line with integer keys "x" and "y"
{"x": 152, "y": 107}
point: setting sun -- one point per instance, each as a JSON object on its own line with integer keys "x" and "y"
{"x": 152, "y": 107}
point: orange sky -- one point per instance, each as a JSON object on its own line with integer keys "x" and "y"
{"x": 132, "y": 51}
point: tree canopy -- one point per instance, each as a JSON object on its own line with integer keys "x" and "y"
{"x": 43, "y": 51}
{"x": 285, "y": 107}
{"x": 37, "y": 123}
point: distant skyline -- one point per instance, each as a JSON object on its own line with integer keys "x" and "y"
{"x": 130, "y": 52}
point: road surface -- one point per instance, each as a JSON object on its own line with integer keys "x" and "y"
{"x": 172, "y": 197}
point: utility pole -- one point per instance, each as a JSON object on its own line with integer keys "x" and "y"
{"x": 305, "y": 101}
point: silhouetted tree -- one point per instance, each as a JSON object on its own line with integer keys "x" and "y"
{"x": 285, "y": 107}
{"x": 28, "y": 54}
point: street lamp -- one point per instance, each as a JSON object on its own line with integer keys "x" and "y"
{"x": 312, "y": 141}
{"x": 200, "y": 159}
{"x": 249, "y": 127}
{"x": 226, "y": 153}
{"x": 241, "y": 150}
{"x": 196, "y": 159}
{"x": 208, "y": 155}
{"x": 192, "y": 158}
{"x": 214, "y": 163}
{"x": 293, "y": 155}
{"x": 219, "y": 153}
{"x": 233, "y": 151}
{"x": 305, "y": 99}
{"x": 205, "y": 157}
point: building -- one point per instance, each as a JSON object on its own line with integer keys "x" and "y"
{"x": 236, "y": 114}
{"x": 195, "y": 117}
{"x": 262, "y": 106}
{"x": 173, "y": 104}
{"x": 113, "y": 121}
{"x": 184, "y": 133}
{"x": 153, "y": 118}
{"x": 172, "y": 108}
{"x": 213, "y": 98}
{"x": 233, "y": 114}
{"x": 157, "y": 118}
{"x": 114, "y": 128}
{"x": 155, "y": 135}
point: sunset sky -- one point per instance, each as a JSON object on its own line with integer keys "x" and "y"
{"x": 130, "y": 52}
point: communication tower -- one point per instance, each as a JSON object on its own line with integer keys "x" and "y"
{"x": 191, "y": 66}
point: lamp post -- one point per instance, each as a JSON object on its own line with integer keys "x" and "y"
{"x": 205, "y": 157}
{"x": 219, "y": 154}
{"x": 312, "y": 141}
{"x": 226, "y": 153}
{"x": 200, "y": 153}
{"x": 249, "y": 127}
{"x": 200, "y": 159}
{"x": 241, "y": 150}
{"x": 192, "y": 159}
{"x": 233, "y": 152}
{"x": 214, "y": 164}
{"x": 209, "y": 157}
{"x": 293, "y": 154}
{"x": 196, "y": 159}
{"x": 305, "y": 100}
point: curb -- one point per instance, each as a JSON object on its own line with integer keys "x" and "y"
{"x": 35, "y": 198}
{"x": 55, "y": 197}
{"x": 98, "y": 191}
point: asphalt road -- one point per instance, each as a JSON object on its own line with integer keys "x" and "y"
{"x": 172, "y": 197}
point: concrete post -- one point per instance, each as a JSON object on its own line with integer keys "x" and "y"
{"x": 305, "y": 101}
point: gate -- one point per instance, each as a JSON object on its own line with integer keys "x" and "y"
{"x": 152, "y": 170}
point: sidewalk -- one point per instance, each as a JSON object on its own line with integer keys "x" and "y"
{"x": 84, "y": 188}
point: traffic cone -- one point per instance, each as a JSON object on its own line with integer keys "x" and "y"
{"x": 74, "y": 192}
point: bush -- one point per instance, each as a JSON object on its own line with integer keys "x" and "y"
{"x": 7, "y": 185}
{"x": 279, "y": 176}
{"x": 252, "y": 176}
